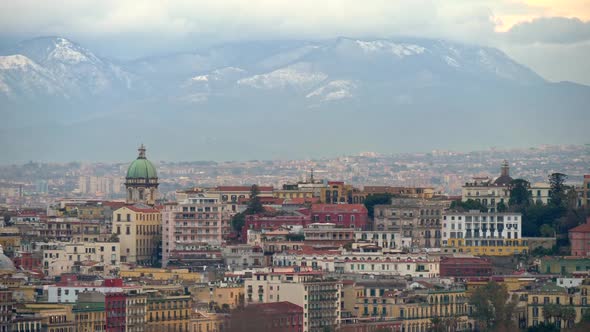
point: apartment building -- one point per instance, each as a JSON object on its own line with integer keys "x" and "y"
{"x": 414, "y": 218}
{"x": 243, "y": 256}
{"x": 167, "y": 313}
{"x": 365, "y": 260}
{"x": 139, "y": 230}
{"x": 201, "y": 219}
{"x": 484, "y": 233}
{"x": 87, "y": 257}
{"x": 317, "y": 295}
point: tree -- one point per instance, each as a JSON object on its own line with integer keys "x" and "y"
{"x": 557, "y": 193}
{"x": 376, "y": 199}
{"x": 7, "y": 219}
{"x": 543, "y": 328}
{"x": 254, "y": 204}
{"x": 295, "y": 237}
{"x": 568, "y": 314}
{"x": 547, "y": 230}
{"x": 501, "y": 207}
{"x": 519, "y": 193}
{"x": 493, "y": 308}
{"x": 254, "y": 207}
{"x": 238, "y": 221}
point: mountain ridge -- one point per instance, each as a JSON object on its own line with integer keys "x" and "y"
{"x": 400, "y": 94}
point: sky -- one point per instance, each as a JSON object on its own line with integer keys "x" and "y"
{"x": 550, "y": 36}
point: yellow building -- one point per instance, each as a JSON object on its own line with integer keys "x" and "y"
{"x": 512, "y": 282}
{"x": 336, "y": 192}
{"x": 10, "y": 240}
{"x": 293, "y": 193}
{"x": 168, "y": 313}
{"x": 230, "y": 296}
{"x": 54, "y": 317}
{"x": 89, "y": 316}
{"x": 551, "y": 296}
{"x": 506, "y": 248}
{"x": 162, "y": 274}
{"x": 413, "y": 309}
{"x": 140, "y": 233}
{"x": 208, "y": 322}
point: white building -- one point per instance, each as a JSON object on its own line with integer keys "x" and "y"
{"x": 367, "y": 260}
{"x": 88, "y": 257}
{"x": 383, "y": 239}
{"x": 484, "y": 233}
{"x": 481, "y": 226}
{"x": 319, "y": 297}
{"x": 69, "y": 293}
{"x": 569, "y": 282}
{"x": 243, "y": 256}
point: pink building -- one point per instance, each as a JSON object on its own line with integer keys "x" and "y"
{"x": 191, "y": 225}
{"x": 580, "y": 239}
{"x": 342, "y": 215}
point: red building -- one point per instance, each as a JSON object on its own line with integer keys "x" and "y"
{"x": 115, "y": 310}
{"x": 580, "y": 239}
{"x": 276, "y": 316}
{"x": 28, "y": 261}
{"x": 342, "y": 215}
{"x": 259, "y": 222}
{"x": 465, "y": 267}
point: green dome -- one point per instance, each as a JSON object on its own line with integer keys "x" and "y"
{"x": 141, "y": 168}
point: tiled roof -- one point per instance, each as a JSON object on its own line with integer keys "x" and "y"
{"x": 243, "y": 188}
{"x": 301, "y": 200}
{"x": 338, "y": 208}
{"x": 584, "y": 228}
{"x": 276, "y": 308}
{"x": 143, "y": 209}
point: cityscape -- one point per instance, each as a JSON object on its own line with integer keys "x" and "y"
{"x": 286, "y": 247}
{"x": 294, "y": 166}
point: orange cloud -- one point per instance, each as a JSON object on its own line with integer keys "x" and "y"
{"x": 546, "y": 8}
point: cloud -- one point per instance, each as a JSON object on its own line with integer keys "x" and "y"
{"x": 254, "y": 19}
{"x": 549, "y": 30}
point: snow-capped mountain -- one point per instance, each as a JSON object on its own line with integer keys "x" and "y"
{"x": 21, "y": 77}
{"x": 345, "y": 68}
{"x": 60, "y": 68}
{"x": 274, "y": 96}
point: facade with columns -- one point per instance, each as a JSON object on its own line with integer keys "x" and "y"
{"x": 484, "y": 233}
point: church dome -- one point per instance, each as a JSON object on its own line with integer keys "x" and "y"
{"x": 6, "y": 264}
{"x": 141, "y": 168}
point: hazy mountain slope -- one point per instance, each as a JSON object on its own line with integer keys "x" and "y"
{"x": 279, "y": 99}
